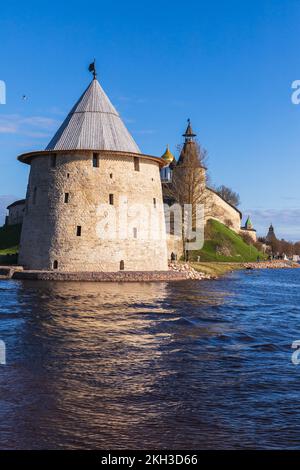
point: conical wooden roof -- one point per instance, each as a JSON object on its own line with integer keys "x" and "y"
{"x": 93, "y": 124}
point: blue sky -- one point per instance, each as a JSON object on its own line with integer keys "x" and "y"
{"x": 228, "y": 65}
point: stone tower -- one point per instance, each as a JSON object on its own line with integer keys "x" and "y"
{"x": 248, "y": 224}
{"x": 186, "y": 179}
{"x": 271, "y": 235}
{"x": 249, "y": 229}
{"x": 189, "y": 159}
{"x": 188, "y": 173}
{"x": 92, "y": 170}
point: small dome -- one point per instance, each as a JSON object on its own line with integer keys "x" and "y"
{"x": 168, "y": 156}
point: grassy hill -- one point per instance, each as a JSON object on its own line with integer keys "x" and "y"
{"x": 223, "y": 244}
{"x": 9, "y": 239}
{"x": 9, "y": 244}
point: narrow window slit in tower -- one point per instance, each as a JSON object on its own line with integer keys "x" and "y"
{"x": 96, "y": 160}
{"x": 66, "y": 198}
{"x": 122, "y": 265}
{"x": 78, "y": 231}
{"x": 111, "y": 199}
{"x": 53, "y": 160}
{"x": 55, "y": 264}
{"x": 135, "y": 232}
{"x": 172, "y": 223}
{"x": 136, "y": 164}
{"x": 111, "y": 175}
{"x": 34, "y": 195}
{"x": 154, "y": 202}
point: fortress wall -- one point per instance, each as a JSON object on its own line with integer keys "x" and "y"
{"x": 217, "y": 208}
{"x": 250, "y": 233}
{"x": 39, "y": 221}
{"x": 174, "y": 245}
{"x": 49, "y": 231}
{"x": 16, "y": 214}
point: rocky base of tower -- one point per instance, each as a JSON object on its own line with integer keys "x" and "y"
{"x": 190, "y": 273}
{"x": 120, "y": 276}
{"x": 176, "y": 272}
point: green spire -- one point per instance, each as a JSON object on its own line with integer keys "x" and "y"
{"x": 248, "y": 224}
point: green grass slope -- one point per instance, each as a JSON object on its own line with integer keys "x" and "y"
{"x": 223, "y": 244}
{"x": 10, "y": 239}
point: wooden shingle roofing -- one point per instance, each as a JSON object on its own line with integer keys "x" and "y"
{"x": 93, "y": 124}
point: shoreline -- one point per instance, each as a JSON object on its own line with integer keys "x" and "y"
{"x": 177, "y": 272}
{"x": 219, "y": 269}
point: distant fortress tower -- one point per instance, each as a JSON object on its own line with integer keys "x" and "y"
{"x": 191, "y": 171}
{"x": 271, "y": 234}
{"x": 91, "y": 160}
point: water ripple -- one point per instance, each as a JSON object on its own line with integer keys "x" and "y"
{"x": 182, "y": 365}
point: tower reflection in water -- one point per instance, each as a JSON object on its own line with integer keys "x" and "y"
{"x": 103, "y": 364}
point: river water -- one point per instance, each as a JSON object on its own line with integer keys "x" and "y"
{"x": 202, "y": 365}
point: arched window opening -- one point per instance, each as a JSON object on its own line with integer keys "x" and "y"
{"x": 122, "y": 265}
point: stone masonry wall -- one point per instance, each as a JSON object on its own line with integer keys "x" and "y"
{"x": 174, "y": 245}
{"x": 50, "y": 224}
{"x": 217, "y": 208}
{"x": 16, "y": 214}
{"x": 250, "y": 233}
{"x": 120, "y": 276}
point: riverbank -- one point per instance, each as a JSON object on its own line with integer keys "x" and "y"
{"x": 217, "y": 269}
{"x": 177, "y": 272}
{"x": 275, "y": 264}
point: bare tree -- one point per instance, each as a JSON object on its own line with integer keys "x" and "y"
{"x": 286, "y": 248}
{"x": 275, "y": 247}
{"x": 297, "y": 248}
{"x": 188, "y": 186}
{"x": 229, "y": 195}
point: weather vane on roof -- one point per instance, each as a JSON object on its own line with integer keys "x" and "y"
{"x": 92, "y": 68}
